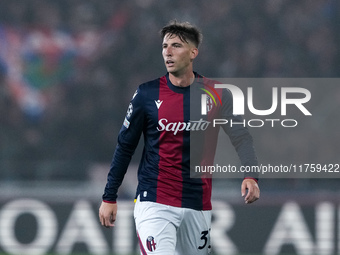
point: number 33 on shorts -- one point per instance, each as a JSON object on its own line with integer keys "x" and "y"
{"x": 204, "y": 238}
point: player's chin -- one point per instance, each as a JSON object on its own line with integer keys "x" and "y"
{"x": 171, "y": 68}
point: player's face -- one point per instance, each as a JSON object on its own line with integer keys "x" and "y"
{"x": 178, "y": 55}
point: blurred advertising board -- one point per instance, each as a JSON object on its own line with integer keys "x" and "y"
{"x": 275, "y": 225}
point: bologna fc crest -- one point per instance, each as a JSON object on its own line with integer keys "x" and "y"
{"x": 209, "y": 103}
{"x": 150, "y": 243}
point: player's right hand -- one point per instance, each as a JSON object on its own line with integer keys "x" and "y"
{"x": 107, "y": 214}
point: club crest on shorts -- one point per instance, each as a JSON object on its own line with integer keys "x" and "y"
{"x": 150, "y": 243}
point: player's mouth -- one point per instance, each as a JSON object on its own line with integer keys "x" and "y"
{"x": 169, "y": 63}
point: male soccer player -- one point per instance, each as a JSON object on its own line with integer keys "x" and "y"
{"x": 172, "y": 211}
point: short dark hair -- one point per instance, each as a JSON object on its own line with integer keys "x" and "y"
{"x": 184, "y": 30}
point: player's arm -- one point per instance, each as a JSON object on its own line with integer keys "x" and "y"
{"x": 128, "y": 139}
{"x": 243, "y": 142}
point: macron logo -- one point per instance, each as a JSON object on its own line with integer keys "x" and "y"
{"x": 158, "y": 103}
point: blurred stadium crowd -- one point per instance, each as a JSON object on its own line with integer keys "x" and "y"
{"x": 69, "y": 68}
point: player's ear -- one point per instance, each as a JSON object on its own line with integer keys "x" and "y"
{"x": 194, "y": 53}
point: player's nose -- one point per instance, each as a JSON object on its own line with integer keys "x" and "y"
{"x": 168, "y": 51}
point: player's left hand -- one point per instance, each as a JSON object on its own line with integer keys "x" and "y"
{"x": 253, "y": 193}
{"x": 107, "y": 214}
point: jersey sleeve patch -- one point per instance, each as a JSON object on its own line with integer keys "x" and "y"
{"x": 126, "y": 123}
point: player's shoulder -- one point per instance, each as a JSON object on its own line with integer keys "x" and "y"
{"x": 213, "y": 86}
{"x": 205, "y": 80}
{"x": 151, "y": 84}
{"x": 150, "y": 88}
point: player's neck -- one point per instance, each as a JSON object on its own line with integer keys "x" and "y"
{"x": 183, "y": 80}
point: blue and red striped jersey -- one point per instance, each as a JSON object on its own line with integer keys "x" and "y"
{"x": 161, "y": 112}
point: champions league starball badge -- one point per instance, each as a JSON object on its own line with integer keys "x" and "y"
{"x": 129, "y": 111}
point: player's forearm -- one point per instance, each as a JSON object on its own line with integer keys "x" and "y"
{"x": 246, "y": 152}
{"x": 119, "y": 165}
